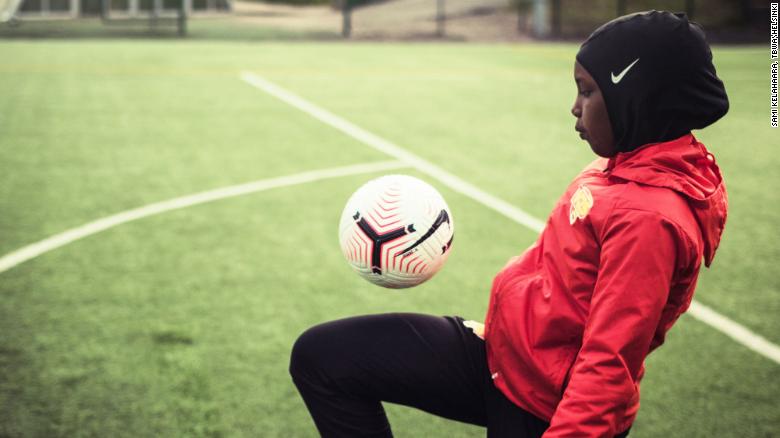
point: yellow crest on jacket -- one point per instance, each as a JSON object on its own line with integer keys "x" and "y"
{"x": 580, "y": 204}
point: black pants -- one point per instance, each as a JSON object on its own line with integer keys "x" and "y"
{"x": 344, "y": 370}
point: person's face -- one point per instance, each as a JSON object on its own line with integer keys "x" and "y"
{"x": 591, "y": 113}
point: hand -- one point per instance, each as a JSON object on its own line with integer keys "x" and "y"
{"x": 476, "y": 327}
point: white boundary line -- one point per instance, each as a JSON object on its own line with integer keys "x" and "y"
{"x": 737, "y": 332}
{"x": 28, "y": 252}
{"x": 382, "y": 145}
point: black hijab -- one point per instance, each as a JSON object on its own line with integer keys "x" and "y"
{"x": 655, "y": 72}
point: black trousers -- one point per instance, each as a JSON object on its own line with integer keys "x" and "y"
{"x": 345, "y": 369}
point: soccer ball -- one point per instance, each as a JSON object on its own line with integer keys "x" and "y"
{"x": 396, "y": 231}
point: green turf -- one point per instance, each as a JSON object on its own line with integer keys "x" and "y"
{"x": 181, "y": 324}
{"x": 211, "y": 28}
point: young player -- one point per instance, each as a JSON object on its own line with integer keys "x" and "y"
{"x": 572, "y": 319}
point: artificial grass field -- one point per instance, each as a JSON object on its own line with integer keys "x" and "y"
{"x": 181, "y": 324}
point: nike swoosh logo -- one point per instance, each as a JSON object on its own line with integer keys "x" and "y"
{"x": 618, "y": 78}
{"x": 442, "y": 219}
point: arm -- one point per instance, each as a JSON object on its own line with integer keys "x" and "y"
{"x": 637, "y": 262}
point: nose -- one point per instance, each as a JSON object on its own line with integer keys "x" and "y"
{"x": 576, "y": 110}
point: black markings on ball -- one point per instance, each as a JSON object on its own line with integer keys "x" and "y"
{"x": 378, "y": 240}
{"x": 443, "y": 218}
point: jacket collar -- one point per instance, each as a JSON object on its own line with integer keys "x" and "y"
{"x": 683, "y": 165}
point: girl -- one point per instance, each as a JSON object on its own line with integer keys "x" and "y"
{"x": 572, "y": 319}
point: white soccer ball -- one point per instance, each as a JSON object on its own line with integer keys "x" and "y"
{"x": 396, "y": 231}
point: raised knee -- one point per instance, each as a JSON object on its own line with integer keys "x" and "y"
{"x": 307, "y": 352}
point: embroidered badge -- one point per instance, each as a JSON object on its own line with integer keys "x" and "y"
{"x": 580, "y": 204}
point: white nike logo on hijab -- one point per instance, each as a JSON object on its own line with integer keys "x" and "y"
{"x": 618, "y": 78}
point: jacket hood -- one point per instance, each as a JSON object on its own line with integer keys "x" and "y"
{"x": 685, "y": 166}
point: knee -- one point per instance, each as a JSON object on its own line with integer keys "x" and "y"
{"x": 308, "y": 352}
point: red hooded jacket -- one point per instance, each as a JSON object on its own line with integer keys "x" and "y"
{"x": 572, "y": 319}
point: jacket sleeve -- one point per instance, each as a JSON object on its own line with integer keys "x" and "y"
{"x": 636, "y": 266}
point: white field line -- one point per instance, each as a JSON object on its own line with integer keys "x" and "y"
{"x": 28, "y": 252}
{"x": 732, "y": 329}
{"x": 382, "y": 145}
{"x": 735, "y": 331}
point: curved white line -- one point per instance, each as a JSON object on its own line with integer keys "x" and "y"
{"x": 732, "y": 329}
{"x": 28, "y": 252}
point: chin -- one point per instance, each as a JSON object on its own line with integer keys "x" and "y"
{"x": 600, "y": 150}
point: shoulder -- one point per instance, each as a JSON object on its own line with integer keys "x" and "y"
{"x": 656, "y": 202}
{"x": 650, "y": 214}
{"x": 647, "y": 207}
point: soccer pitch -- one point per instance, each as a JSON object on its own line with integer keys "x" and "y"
{"x": 181, "y": 323}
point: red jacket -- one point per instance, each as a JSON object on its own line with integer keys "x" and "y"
{"x": 572, "y": 319}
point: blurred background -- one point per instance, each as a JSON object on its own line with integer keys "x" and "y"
{"x": 129, "y": 308}
{"x": 451, "y": 20}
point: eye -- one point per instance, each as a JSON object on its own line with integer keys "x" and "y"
{"x": 585, "y": 93}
